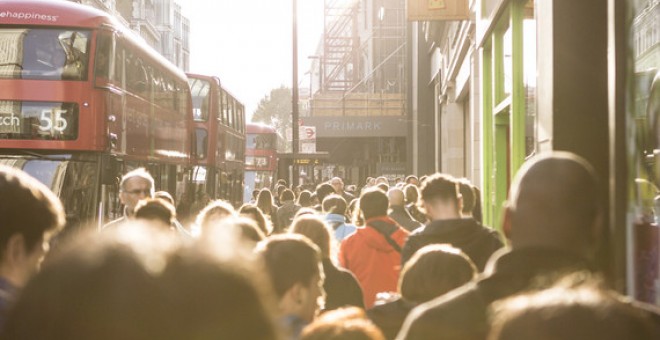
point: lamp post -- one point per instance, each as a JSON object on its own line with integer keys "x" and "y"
{"x": 294, "y": 98}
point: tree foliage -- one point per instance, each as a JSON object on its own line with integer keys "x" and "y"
{"x": 275, "y": 109}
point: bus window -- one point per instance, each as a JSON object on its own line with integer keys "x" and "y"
{"x": 51, "y": 54}
{"x": 102, "y": 70}
{"x": 201, "y": 139}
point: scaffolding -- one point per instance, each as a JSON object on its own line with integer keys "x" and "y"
{"x": 362, "y": 67}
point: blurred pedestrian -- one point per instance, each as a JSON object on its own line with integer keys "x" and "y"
{"x": 373, "y": 253}
{"x": 31, "y": 215}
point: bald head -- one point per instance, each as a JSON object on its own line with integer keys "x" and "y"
{"x": 554, "y": 203}
{"x": 396, "y": 197}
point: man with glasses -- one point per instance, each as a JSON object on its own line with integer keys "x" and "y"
{"x": 134, "y": 186}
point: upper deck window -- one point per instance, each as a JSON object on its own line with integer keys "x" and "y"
{"x": 200, "y": 98}
{"x": 259, "y": 141}
{"x": 50, "y": 54}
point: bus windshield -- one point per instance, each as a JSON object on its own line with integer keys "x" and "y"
{"x": 48, "y": 54}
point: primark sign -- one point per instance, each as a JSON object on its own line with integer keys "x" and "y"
{"x": 358, "y": 126}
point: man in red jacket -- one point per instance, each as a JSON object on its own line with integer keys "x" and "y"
{"x": 373, "y": 253}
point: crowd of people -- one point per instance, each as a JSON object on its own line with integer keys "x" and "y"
{"x": 408, "y": 260}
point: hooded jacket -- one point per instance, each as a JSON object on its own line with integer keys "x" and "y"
{"x": 372, "y": 259}
{"x": 475, "y": 240}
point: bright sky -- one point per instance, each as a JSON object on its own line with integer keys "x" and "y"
{"x": 248, "y": 43}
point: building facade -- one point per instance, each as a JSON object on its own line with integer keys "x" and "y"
{"x": 159, "y": 22}
{"x": 524, "y": 77}
{"x": 358, "y": 85}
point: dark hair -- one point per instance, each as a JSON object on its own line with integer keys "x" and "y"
{"x": 27, "y": 208}
{"x": 265, "y": 201}
{"x": 585, "y": 311}
{"x": 467, "y": 192}
{"x": 433, "y": 271}
{"x": 305, "y": 198}
{"x": 411, "y": 193}
{"x": 315, "y": 230}
{"x": 155, "y": 209}
{"x": 289, "y": 259}
{"x": 409, "y": 178}
{"x": 218, "y": 298}
{"x": 287, "y": 195}
{"x": 253, "y": 212}
{"x": 334, "y": 204}
{"x": 354, "y": 211}
{"x": 165, "y": 196}
{"x": 213, "y": 212}
{"x": 348, "y": 323}
{"x": 323, "y": 190}
{"x": 373, "y": 203}
{"x": 383, "y": 187}
{"x": 440, "y": 187}
{"x": 92, "y": 273}
{"x": 249, "y": 229}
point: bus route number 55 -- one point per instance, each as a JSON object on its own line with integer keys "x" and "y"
{"x": 53, "y": 120}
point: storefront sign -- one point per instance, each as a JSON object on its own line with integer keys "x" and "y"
{"x": 358, "y": 126}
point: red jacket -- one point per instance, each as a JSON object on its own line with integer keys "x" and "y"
{"x": 373, "y": 260}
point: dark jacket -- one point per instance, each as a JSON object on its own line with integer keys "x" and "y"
{"x": 475, "y": 240}
{"x": 390, "y": 316}
{"x": 8, "y": 294}
{"x": 462, "y": 313}
{"x": 285, "y": 214}
{"x": 400, "y": 214}
{"x": 341, "y": 287}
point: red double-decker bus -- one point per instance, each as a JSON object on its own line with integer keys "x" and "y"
{"x": 260, "y": 158}
{"x": 83, "y": 100}
{"x": 219, "y": 121}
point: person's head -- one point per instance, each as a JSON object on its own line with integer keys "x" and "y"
{"x": 370, "y": 181}
{"x": 134, "y": 186}
{"x": 265, "y": 201}
{"x": 554, "y": 204}
{"x": 585, "y": 311}
{"x": 281, "y": 182}
{"x": 278, "y": 189}
{"x": 433, "y": 271}
{"x": 337, "y": 184}
{"x": 412, "y": 179}
{"x": 251, "y": 211}
{"x": 383, "y": 187}
{"x": 94, "y": 271}
{"x": 411, "y": 193}
{"x": 165, "y": 196}
{"x": 383, "y": 180}
{"x": 396, "y": 197}
{"x": 355, "y": 213}
{"x": 304, "y": 212}
{"x": 316, "y": 230}
{"x": 30, "y": 215}
{"x": 373, "y": 203}
{"x": 157, "y": 211}
{"x": 468, "y": 196}
{"x": 287, "y": 195}
{"x": 305, "y": 199}
{"x": 248, "y": 229}
{"x": 334, "y": 204}
{"x": 217, "y": 294}
{"x": 255, "y": 193}
{"x": 294, "y": 265}
{"x": 440, "y": 198}
{"x": 348, "y": 323}
{"x": 213, "y": 213}
{"x": 323, "y": 190}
